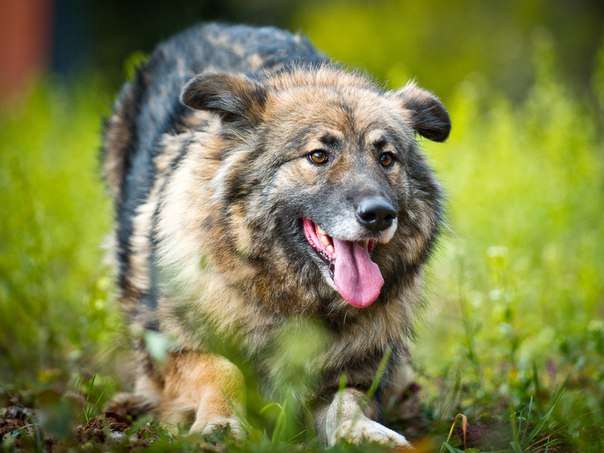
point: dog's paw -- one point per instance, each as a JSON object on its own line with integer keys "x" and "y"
{"x": 219, "y": 424}
{"x": 363, "y": 429}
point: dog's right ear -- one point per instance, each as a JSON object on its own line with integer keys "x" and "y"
{"x": 236, "y": 98}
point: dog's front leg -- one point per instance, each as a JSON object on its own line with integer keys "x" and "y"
{"x": 207, "y": 386}
{"x": 347, "y": 418}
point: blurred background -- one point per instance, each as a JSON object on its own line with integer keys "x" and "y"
{"x": 390, "y": 39}
{"x": 512, "y": 336}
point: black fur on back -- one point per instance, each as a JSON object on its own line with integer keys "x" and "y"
{"x": 148, "y": 107}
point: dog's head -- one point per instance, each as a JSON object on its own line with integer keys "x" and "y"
{"x": 331, "y": 189}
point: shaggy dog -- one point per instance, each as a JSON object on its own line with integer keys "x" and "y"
{"x": 256, "y": 182}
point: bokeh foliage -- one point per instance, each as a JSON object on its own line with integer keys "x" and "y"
{"x": 513, "y": 336}
{"x": 440, "y": 43}
{"x": 53, "y": 289}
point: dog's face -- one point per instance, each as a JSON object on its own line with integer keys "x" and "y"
{"x": 334, "y": 187}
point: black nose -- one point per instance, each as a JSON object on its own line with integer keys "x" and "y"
{"x": 375, "y": 213}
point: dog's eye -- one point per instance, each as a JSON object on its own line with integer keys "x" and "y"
{"x": 386, "y": 159}
{"x": 318, "y": 157}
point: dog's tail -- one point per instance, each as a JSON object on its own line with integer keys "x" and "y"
{"x": 120, "y": 135}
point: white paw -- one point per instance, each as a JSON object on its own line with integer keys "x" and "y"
{"x": 218, "y": 424}
{"x": 363, "y": 429}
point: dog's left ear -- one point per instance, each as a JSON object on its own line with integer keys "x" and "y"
{"x": 428, "y": 115}
{"x": 235, "y": 98}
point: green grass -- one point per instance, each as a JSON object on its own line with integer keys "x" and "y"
{"x": 513, "y": 337}
{"x": 517, "y": 291}
{"x": 53, "y": 289}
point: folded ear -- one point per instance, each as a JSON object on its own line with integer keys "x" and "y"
{"x": 428, "y": 115}
{"x": 236, "y": 98}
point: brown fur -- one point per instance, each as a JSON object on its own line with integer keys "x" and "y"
{"x": 208, "y": 233}
{"x": 203, "y": 387}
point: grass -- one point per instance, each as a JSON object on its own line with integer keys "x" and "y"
{"x": 516, "y": 288}
{"x": 509, "y": 353}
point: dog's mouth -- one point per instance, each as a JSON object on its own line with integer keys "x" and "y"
{"x": 353, "y": 274}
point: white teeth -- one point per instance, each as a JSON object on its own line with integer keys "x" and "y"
{"x": 323, "y": 237}
{"x": 324, "y": 240}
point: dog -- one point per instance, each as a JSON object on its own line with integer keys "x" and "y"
{"x": 255, "y": 181}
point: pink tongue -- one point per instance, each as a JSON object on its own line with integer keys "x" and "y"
{"x": 357, "y": 278}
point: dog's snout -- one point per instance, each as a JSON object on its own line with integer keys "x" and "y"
{"x": 375, "y": 213}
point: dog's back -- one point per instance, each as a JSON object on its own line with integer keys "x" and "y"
{"x": 148, "y": 107}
